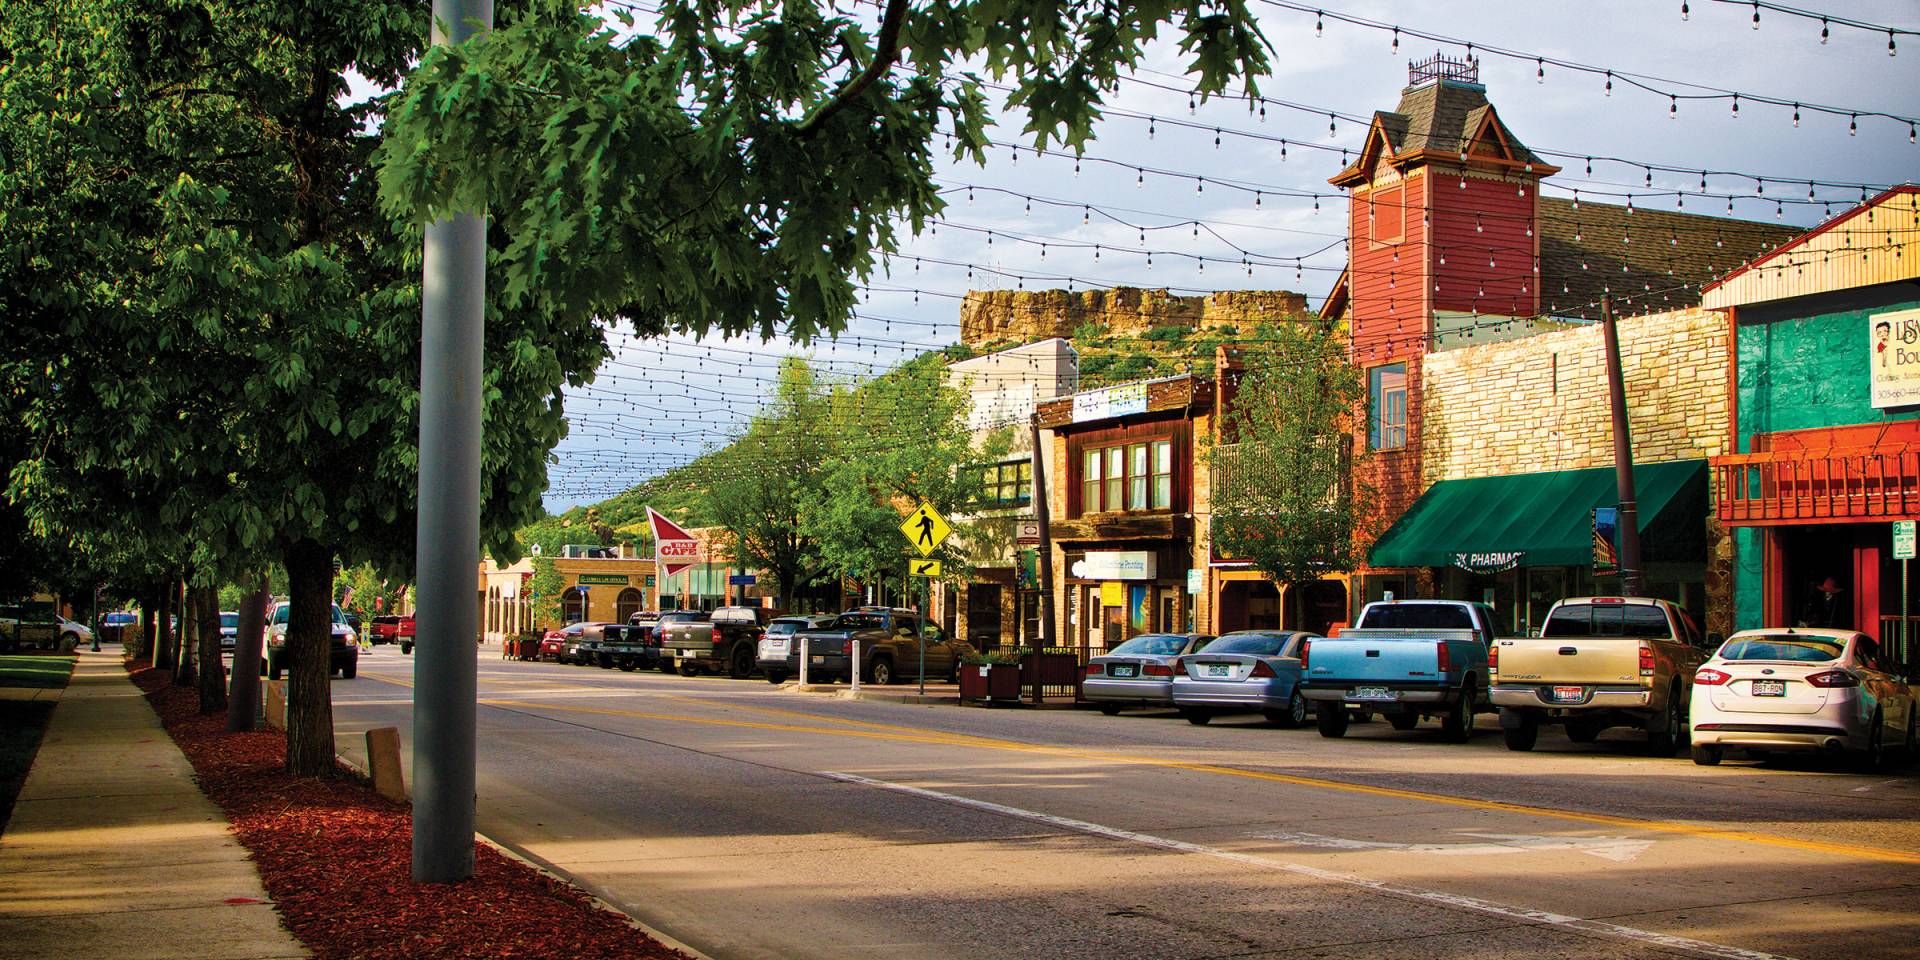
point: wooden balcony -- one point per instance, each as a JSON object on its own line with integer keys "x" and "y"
{"x": 1831, "y": 485}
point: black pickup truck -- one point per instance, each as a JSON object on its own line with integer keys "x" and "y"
{"x": 727, "y": 639}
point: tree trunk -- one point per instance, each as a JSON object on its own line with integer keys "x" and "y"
{"x": 307, "y": 655}
{"x": 163, "y": 615}
{"x": 188, "y": 642}
{"x": 145, "y": 634}
{"x": 213, "y": 676}
{"x": 244, "y": 707}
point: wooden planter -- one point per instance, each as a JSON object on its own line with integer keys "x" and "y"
{"x": 973, "y": 681}
{"x": 1003, "y": 681}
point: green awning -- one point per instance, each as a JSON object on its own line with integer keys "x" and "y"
{"x": 1546, "y": 519}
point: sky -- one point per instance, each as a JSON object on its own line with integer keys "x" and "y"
{"x": 1169, "y": 190}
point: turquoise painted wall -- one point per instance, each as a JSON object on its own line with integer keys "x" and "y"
{"x": 1800, "y": 370}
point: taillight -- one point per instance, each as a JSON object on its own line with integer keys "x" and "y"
{"x": 1159, "y": 669}
{"x": 1493, "y": 657}
{"x": 1177, "y": 667}
{"x": 1305, "y": 645}
{"x": 1646, "y": 660}
{"x": 846, "y": 649}
{"x": 1709, "y": 677}
{"x": 1096, "y": 669}
{"x": 1442, "y": 657}
{"x": 1832, "y": 678}
{"x": 1260, "y": 669}
{"x": 762, "y": 636}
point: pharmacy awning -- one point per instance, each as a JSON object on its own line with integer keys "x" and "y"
{"x": 1546, "y": 519}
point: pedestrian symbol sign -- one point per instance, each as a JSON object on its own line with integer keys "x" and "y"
{"x": 924, "y": 568}
{"x": 925, "y": 528}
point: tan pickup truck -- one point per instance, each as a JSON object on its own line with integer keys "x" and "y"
{"x": 1600, "y": 662}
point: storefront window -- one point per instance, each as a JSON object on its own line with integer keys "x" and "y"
{"x": 1116, "y": 476}
{"x": 1136, "y": 476}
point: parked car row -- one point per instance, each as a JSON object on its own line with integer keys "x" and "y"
{"x": 1599, "y": 663}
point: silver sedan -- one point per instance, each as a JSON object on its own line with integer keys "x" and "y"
{"x": 1138, "y": 673}
{"x": 1245, "y": 672}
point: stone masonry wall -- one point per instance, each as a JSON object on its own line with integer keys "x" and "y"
{"x": 1540, "y": 403}
{"x": 991, "y": 315}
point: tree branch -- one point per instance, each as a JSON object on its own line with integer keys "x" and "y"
{"x": 886, "y": 50}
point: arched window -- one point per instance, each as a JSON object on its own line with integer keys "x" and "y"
{"x": 627, "y": 604}
{"x": 573, "y": 606}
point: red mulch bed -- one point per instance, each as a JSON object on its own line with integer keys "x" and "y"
{"x": 337, "y": 860}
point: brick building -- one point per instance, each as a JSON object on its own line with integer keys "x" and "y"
{"x": 1484, "y": 463}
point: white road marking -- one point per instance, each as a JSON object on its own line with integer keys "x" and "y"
{"x": 1618, "y": 849}
{"x": 1458, "y": 901}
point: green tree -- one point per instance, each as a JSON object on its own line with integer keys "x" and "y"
{"x": 543, "y": 591}
{"x": 764, "y": 481}
{"x": 195, "y": 255}
{"x": 1283, "y": 495}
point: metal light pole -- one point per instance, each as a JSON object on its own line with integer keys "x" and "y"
{"x": 1040, "y": 513}
{"x": 453, "y": 297}
{"x": 1631, "y": 570}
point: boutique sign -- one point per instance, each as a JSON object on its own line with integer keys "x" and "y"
{"x": 1893, "y": 358}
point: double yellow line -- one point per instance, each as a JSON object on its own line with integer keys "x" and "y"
{"x": 878, "y": 731}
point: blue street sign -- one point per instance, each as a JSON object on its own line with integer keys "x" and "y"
{"x": 742, "y": 579}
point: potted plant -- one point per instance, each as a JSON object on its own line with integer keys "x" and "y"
{"x": 994, "y": 675}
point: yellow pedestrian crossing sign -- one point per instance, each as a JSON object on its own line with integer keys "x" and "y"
{"x": 924, "y": 568}
{"x": 925, "y": 528}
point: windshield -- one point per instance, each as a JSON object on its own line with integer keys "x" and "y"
{"x": 684, "y": 616}
{"x": 230, "y": 620}
{"x": 1259, "y": 644}
{"x": 281, "y": 612}
{"x": 1608, "y": 620}
{"x": 1784, "y": 646}
{"x": 860, "y": 621}
{"x": 1153, "y": 645}
{"x": 1418, "y": 616}
{"x": 786, "y": 626}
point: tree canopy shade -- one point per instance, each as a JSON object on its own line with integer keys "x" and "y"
{"x": 1283, "y": 490}
{"x": 742, "y": 165}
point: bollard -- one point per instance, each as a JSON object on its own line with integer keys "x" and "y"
{"x": 806, "y": 651}
{"x": 854, "y": 668}
{"x": 383, "y": 763}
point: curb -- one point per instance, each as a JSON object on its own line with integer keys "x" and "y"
{"x": 555, "y": 873}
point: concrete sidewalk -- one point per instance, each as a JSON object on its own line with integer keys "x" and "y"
{"x": 113, "y": 851}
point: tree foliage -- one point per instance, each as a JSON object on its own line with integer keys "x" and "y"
{"x": 764, "y": 481}
{"x": 1283, "y": 494}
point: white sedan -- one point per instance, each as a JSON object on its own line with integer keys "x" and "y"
{"x": 1788, "y": 688}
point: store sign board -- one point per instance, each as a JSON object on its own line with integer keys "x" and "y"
{"x": 1196, "y": 581}
{"x": 1606, "y": 532}
{"x": 1117, "y": 565}
{"x": 1489, "y": 562}
{"x": 674, "y": 549}
{"x": 605, "y": 579}
{"x": 1111, "y": 402}
{"x": 1893, "y": 358}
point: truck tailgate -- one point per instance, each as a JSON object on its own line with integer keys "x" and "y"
{"x": 1372, "y": 658}
{"x": 696, "y": 638}
{"x": 1572, "y": 660}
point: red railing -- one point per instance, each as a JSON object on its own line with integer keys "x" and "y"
{"x": 1811, "y": 486}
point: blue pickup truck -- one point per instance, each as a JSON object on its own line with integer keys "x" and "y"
{"x": 1404, "y": 659}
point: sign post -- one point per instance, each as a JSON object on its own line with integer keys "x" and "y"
{"x": 926, "y": 529}
{"x": 1903, "y": 549}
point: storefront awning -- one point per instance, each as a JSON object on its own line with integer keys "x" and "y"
{"x": 1545, "y": 519}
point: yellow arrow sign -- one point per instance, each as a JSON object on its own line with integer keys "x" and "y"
{"x": 924, "y": 568}
{"x": 925, "y": 528}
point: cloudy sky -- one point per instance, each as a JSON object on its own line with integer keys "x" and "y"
{"x": 1206, "y": 212}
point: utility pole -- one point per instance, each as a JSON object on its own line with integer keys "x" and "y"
{"x": 1040, "y": 514}
{"x": 452, "y": 308}
{"x": 1631, "y": 570}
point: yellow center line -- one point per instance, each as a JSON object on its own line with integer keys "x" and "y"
{"x": 876, "y": 731}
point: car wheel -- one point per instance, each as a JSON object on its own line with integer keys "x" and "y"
{"x": 1673, "y": 729}
{"x": 351, "y": 670}
{"x": 1404, "y": 720}
{"x": 1521, "y": 730}
{"x": 1583, "y": 731}
{"x": 1457, "y": 725}
{"x": 406, "y": 647}
{"x": 741, "y": 666}
{"x": 626, "y": 664}
{"x": 1196, "y": 716}
{"x": 69, "y": 642}
{"x": 689, "y": 669}
{"x": 1707, "y": 754}
{"x": 881, "y": 672}
{"x": 1110, "y": 709}
{"x": 1294, "y": 715}
{"x": 1332, "y": 721}
{"x": 1874, "y": 757}
{"x": 776, "y": 677}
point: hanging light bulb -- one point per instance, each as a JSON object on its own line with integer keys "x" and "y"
{"x": 1331, "y": 131}
{"x": 1796, "y": 115}
{"x": 1756, "y": 14}
{"x": 1892, "y": 50}
{"x": 1283, "y": 151}
{"x": 1086, "y": 213}
{"x": 1853, "y": 125}
{"x": 1609, "y": 83}
{"x": 1673, "y": 107}
{"x": 1318, "y": 26}
{"x": 1685, "y": 14}
{"x": 1824, "y": 32}
{"x": 1216, "y": 138}
{"x": 1191, "y": 106}
{"x": 1539, "y": 70}
{"x": 1736, "y": 106}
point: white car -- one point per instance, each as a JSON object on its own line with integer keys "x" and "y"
{"x": 73, "y": 634}
{"x": 1792, "y": 688}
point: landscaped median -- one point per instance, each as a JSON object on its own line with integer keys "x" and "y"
{"x": 336, "y": 858}
{"x": 29, "y": 688}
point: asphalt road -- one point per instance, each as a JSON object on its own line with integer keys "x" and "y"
{"x": 752, "y": 822}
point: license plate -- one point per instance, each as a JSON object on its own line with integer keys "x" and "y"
{"x": 683, "y": 654}
{"x": 1219, "y": 670}
{"x": 1769, "y": 688}
{"x": 1569, "y": 694}
{"x": 1123, "y": 669}
{"x": 778, "y": 644}
{"x": 819, "y": 659}
{"x": 1371, "y": 693}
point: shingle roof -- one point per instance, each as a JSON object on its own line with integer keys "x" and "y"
{"x": 1590, "y": 249}
{"x": 1442, "y": 117}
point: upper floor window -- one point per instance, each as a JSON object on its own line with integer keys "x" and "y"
{"x": 1007, "y": 484}
{"x": 1130, "y": 476}
{"x": 1387, "y": 407}
{"x": 1386, "y": 215}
